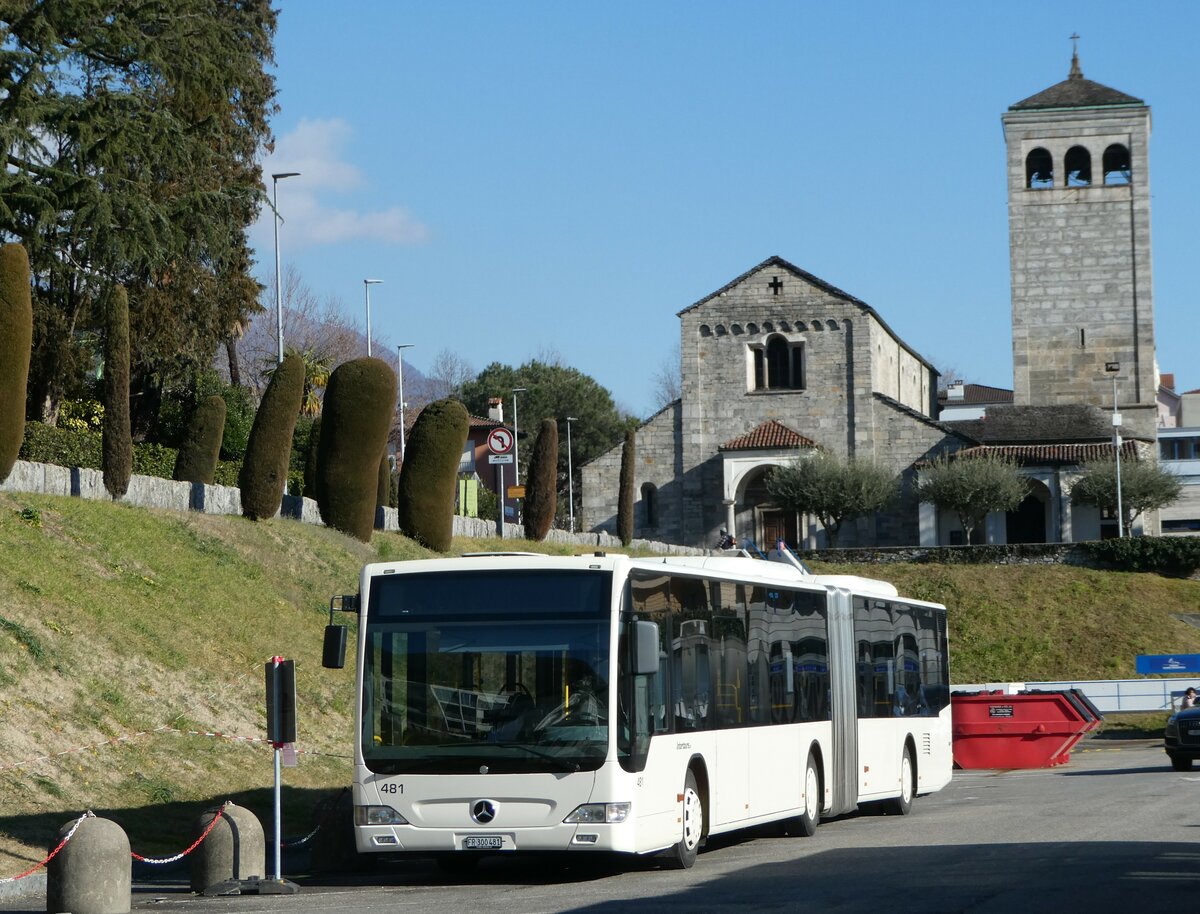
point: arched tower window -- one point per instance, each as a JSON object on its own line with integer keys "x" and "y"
{"x": 1117, "y": 167}
{"x": 649, "y": 504}
{"x": 1039, "y": 169}
{"x": 1078, "y": 165}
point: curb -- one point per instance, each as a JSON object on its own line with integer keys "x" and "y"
{"x": 30, "y": 885}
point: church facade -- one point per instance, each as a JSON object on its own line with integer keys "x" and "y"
{"x": 774, "y": 364}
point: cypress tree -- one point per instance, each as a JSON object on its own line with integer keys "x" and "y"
{"x": 625, "y": 493}
{"x": 541, "y": 496}
{"x": 429, "y": 473}
{"x": 310, "y": 459}
{"x": 385, "y": 482}
{"x": 197, "y": 458}
{"x": 359, "y": 403}
{"x": 269, "y": 450}
{"x": 16, "y": 341}
{"x": 116, "y": 440}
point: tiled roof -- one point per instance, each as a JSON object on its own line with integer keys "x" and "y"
{"x": 1051, "y": 453}
{"x": 771, "y": 434}
{"x": 977, "y": 393}
{"x": 1076, "y": 92}
{"x": 1037, "y": 424}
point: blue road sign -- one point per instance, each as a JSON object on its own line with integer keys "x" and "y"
{"x": 1168, "y": 663}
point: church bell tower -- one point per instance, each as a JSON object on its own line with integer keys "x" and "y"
{"x": 1079, "y": 243}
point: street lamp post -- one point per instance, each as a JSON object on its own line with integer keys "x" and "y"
{"x": 516, "y": 439}
{"x": 400, "y": 383}
{"x": 1113, "y": 368}
{"x": 367, "y": 283}
{"x": 275, "y": 179}
{"x": 570, "y": 475}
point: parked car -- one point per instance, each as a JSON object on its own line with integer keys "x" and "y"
{"x": 1181, "y": 740}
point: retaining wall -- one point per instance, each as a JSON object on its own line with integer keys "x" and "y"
{"x": 155, "y": 492}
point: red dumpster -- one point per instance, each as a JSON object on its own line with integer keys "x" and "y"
{"x": 1031, "y": 729}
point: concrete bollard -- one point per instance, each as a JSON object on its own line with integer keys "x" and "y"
{"x": 93, "y": 873}
{"x": 235, "y": 849}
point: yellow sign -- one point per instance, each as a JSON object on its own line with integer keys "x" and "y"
{"x": 516, "y": 491}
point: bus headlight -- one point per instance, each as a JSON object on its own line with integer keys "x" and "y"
{"x": 596, "y": 813}
{"x": 378, "y": 815}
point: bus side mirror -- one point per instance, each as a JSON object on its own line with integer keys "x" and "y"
{"x": 645, "y": 648}
{"x": 333, "y": 652}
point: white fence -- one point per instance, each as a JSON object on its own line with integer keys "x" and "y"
{"x": 1108, "y": 695}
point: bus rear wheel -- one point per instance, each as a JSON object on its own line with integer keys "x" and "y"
{"x": 805, "y": 824}
{"x": 902, "y": 805}
{"x": 683, "y": 854}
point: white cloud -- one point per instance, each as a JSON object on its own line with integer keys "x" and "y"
{"x": 309, "y": 203}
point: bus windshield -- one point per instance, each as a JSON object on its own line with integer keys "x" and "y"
{"x": 496, "y": 670}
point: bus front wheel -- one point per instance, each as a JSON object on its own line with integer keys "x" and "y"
{"x": 805, "y": 824}
{"x": 683, "y": 854}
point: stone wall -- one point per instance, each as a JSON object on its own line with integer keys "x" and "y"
{"x": 167, "y": 494}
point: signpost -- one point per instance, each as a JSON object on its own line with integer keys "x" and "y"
{"x": 500, "y": 444}
{"x": 281, "y": 732}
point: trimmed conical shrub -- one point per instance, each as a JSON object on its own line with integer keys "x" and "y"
{"x": 385, "y": 482}
{"x": 541, "y": 496}
{"x": 625, "y": 492}
{"x": 310, "y": 459}
{"x": 197, "y": 457}
{"x": 116, "y": 440}
{"x": 359, "y": 401}
{"x": 16, "y": 340}
{"x": 269, "y": 450}
{"x": 429, "y": 473}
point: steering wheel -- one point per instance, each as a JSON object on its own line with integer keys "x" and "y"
{"x": 516, "y": 688}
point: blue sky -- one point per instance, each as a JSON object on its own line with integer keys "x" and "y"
{"x": 535, "y": 177}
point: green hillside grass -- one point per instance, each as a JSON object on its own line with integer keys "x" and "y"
{"x": 127, "y": 635}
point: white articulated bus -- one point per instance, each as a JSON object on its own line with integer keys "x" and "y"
{"x": 513, "y": 702}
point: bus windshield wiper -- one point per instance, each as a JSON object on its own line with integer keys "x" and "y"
{"x": 562, "y": 763}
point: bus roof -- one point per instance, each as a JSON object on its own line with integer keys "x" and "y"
{"x": 738, "y": 567}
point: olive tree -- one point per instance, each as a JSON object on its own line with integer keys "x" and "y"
{"x": 972, "y": 486}
{"x": 1145, "y": 486}
{"x": 832, "y": 488}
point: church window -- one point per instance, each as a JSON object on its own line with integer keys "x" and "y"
{"x": 736, "y": 329}
{"x": 817, "y": 325}
{"x": 1078, "y": 165}
{"x": 1039, "y": 169}
{"x": 752, "y": 328}
{"x": 779, "y": 365}
{"x": 768, "y": 327}
{"x": 785, "y": 326}
{"x": 721, "y": 331}
{"x": 705, "y": 330}
{"x": 831, "y": 324}
{"x": 1117, "y": 169}
{"x": 649, "y": 504}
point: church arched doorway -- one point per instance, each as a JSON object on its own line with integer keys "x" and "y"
{"x": 768, "y": 522}
{"x": 1027, "y": 523}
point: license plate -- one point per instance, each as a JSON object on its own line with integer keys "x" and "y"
{"x": 483, "y": 842}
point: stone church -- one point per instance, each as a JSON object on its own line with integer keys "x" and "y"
{"x": 779, "y": 362}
